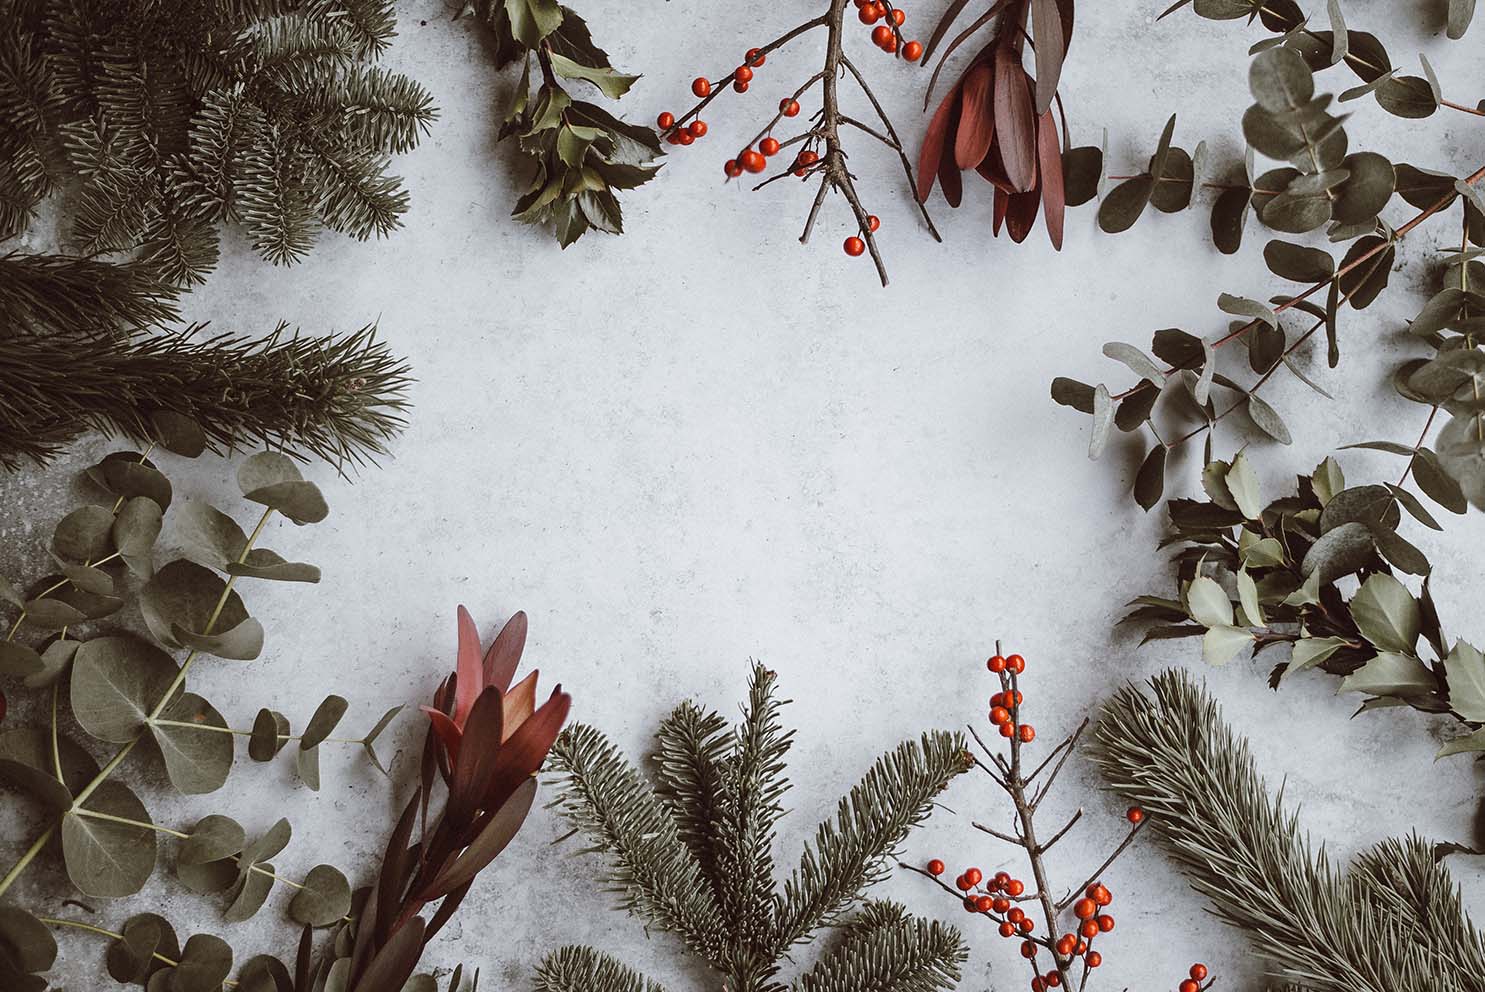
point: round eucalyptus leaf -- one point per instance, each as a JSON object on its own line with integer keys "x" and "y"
{"x": 1407, "y": 96}
{"x": 55, "y": 658}
{"x": 18, "y": 661}
{"x": 92, "y": 606}
{"x": 307, "y": 764}
{"x": 210, "y": 877}
{"x": 1339, "y": 552}
{"x": 1229, "y": 214}
{"x": 52, "y": 614}
{"x": 422, "y": 983}
{"x": 1279, "y": 79}
{"x": 262, "y": 563}
{"x": 270, "y": 844}
{"x": 1359, "y": 504}
{"x": 84, "y": 534}
{"x": 1081, "y": 170}
{"x": 264, "y": 974}
{"x": 26, "y": 941}
{"x": 129, "y": 478}
{"x": 185, "y": 594}
{"x": 1124, "y": 204}
{"x": 324, "y": 720}
{"x": 1296, "y": 213}
{"x": 300, "y": 501}
{"x": 338, "y": 978}
{"x": 31, "y": 747}
{"x": 137, "y": 527}
{"x": 270, "y": 733}
{"x": 10, "y": 593}
{"x": 40, "y": 785}
{"x": 1272, "y": 135}
{"x": 213, "y": 838}
{"x": 131, "y": 959}
{"x": 116, "y": 683}
{"x": 177, "y": 433}
{"x": 94, "y": 581}
{"x": 242, "y": 643}
{"x": 1172, "y": 193}
{"x": 106, "y": 859}
{"x": 205, "y": 962}
{"x": 196, "y": 760}
{"x": 1298, "y": 263}
{"x": 207, "y": 535}
{"x": 324, "y": 898}
{"x": 1366, "y": 190}
{"x": 1267, "y": 419}
{"x": 266, "y": 468}
{"x": 250, "y": 893}
{"x": 1365, "y": 281}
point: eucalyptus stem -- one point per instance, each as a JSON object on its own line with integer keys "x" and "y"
{"x": 123, "y": 752}
{"x": 185, "y": 725}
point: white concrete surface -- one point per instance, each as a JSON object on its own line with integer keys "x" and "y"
{"x": 702, "y": 442}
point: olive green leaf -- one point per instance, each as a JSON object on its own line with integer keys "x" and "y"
{"x": 1103, "y": 420}
{"x": 1242, "y": 485}
{"x": 27, "y": 949}
{"x": 55, "y": 658}
{"x": 52, "y": 614}
{"x": 213, "y": 838}
{"x": 270, "y": 734}
{"x": 1248, "y": 599}
{"x": 1311, "y": 651}
{"x": 1390, "y": 674}
{"x": 1386, "y": 613}
{"x": 181, "y": 601}
{"x": 1298, "y": 263}
{"x": 273, "y": 480}
{"x": 368, "y": 743}
{"x": 196, "y": 760}
{"x": 1220, "y": 644}
{"x": 273, "y": 841}
{"x": 1229, "y": 214}
{"x": 1327, "y": 480}
{"x": 612, "y": 83}
{"x": 1340, "y": 551}
{"x": 107, "y": 859}
{"x": 1267, "y": 419}
{"x": 1465, "y": 669}
{"x": 1125, "y": 203}
{"x": 1137, "y": 361}
{"x": 178, "y": 433}
{"x": 1240, "y": 306}
{"x": 84, "y": 534}
{"x": 205, "y": 962}
{"x": 1359, "y": 504}
{"x": 19, "y": 661}
{"x": 261, "y": 563}
{"x": 27, "y": 763}
{"x": 1208, "y": 603}
{"x": 116, "y": 684}
{"x": 132, "y": 959}
{"x": 1082, "y": 168}
{"x": 1149, "y": 483}
{"x": 324, "y": 897}
{"x": 251, "y": 890}
{"x": 1437, "y": 484}
{"x": 208, "y": 536}
{"x": 1368, "y": 186}
{"x": 94, "y": 581}
{"x": 209, "y": 877}
{"x": 264, "y": 974}
{"x": 1280, "y": 80}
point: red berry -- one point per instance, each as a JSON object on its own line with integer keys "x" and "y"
{"x": 732, "y": 169}
{"x": 1199, "y": 972}
{"x": 1007, "y": 929}
{"x": 974, "y": 875}
{"x": 1135, "y": 815}
{"x": 1089, "y": 929}
{"x": 1027, "y": 925}
{"x": 1016, "y": 697}
{"x": 1084, "y": 909}
{"x": 854, "y": 246}
{"x": 890, "y": 45}
{"x": 880, "y": 35}
{"x": 935, "y": 867}
{"x": 969, "y": 905}
{"x": 1094, "y": 959}
{"x": 743, "y": 74}
{"x": 1038, "y": 984}
{"x": 1008, "y": 730}
{"x": 740, "y": 86}
{"x": 963, "y": 883}
{"x": 873, "y": 222}
{"x": 673, "y": 138}
{"x": 1015, "y": 663}
{"x": 1028, "y": 949}
{"x": 983, "y": 904}
{"x": 788, "y": 107}
{"x": 701, "y": 86}
{"x": 1000, "y": 715}
{"x": 1014, "y": 888}
{"x": 1001, "y": 904}
{"x": 1100, "y": 894}
{"x": 697, "y": 129}
{"x": 898, "y": 16}
{"x": 1001, "y": 880}
{"x": 869, "y": 14}
{"x": 1066, "y": 943}
{"x": 755, "y": 57}
{"x": 684, "y": 137}
{"x": 912, "y": 51}
{"x": 1053, "y": 979}
{"x": 769, "y": 146}
{"x": 1189, "y": 986}
{"x": 1082, "y": 946}
{"x": 1016, "y": 915}
{"x": 665, "y": 121}
{"x": 752, "y": 161}
{"x": 1105, "y": 923}
{"x": 1027, "y": 733}
{"x": 996, "y": 664}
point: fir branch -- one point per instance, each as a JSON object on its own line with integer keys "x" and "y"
{"x": 853, "y": 851}
{"x": 81, "y": 296}
{"x": 582, "y": 969}
{"x": 652, "y": 869}
{"x": 339, "y": 397}
{"x": 690, "y": 751}
{"x": 1394, "y": 924}
{"x": 886, "y": 950}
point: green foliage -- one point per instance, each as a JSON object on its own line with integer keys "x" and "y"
{"x": 339, "y": 397}
{"x": 175, "y": 117}
{"x": 1393, "y": 923}
{"x": 1256, "y": 574}
{"x": 578, "y": 154}
{"x": 48, "y": 294}
{"x": 1319, "y": 182}
{"x": 694, "y": 855}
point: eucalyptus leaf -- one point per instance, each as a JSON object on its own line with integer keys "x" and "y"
{"x": 1338, "y": 552}
{"x": 185, "y": 595}
{"x": 107, "y": 859}
{"x": 197, "y": 760}
{"x": 1298, "y": 262}
{"x": 1268, "y": 420}
{"x": 1124, "y": 204}
{"x": 205, "y": 963}
{"x": 213, "y": 838}
{"x": 269, "y": 735}
{"x": 208, "y": 536}
{"x": 324, "y": 898}
{"x": 84, "y": 535}
{"x": 254, "y": 885}
{"x": 116, "y": 683}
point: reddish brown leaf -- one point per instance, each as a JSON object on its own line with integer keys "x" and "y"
{"x": 949, "y": 179}
{"x": 469, "y": 682}
{"x": 479, "y": 754}
{"x": 505, "y": 653}
{"x": 930, "y": 154}
{"x": 389, "y": 970}
{"x": 492, "y": 839}
{"x": 1002, "y": 203}
{"x": 1020, "y": 215}
{"x": 1015, "y": 124}
{"x": 1054, "y": 195}
{"x": 976, "y": 126}
{"x": 519, "y": 703}
{"x": 993, "y": 170}
{"x": 1051, "y": 47}
{"x": 445, "y": 911}
{"x": 447, "y": 731}
{"x": 527, "y": 748}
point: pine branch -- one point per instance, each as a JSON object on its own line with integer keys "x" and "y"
{"x": 81, "y": 296}
{"x": 1394, "y": 924}
{"x": 886, "y": 950}
{"x": 652, "y": 870}
{"x": 582, "y": 969}
{"x": 339, "y": 397}
{"x": 853, "y": 851}
{"x": 690, "y": 750}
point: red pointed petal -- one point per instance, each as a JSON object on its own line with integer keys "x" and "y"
{"x": 1002, "y": 203}
{"x": 523, "y": 754}
{"x": 1020, "y": 214}
{"x": 1015, "y": 122}
{"x": 519, "y": 704}
{"x": 1054, "y": 194}
{"x": 505, "y": 653}
{"x": 467, "y": 689}
{"x": 932, "y": 150}
{"x": 976, "y": 117}
{"x": 447, "y": 731}
{"x": 479, "y": 752}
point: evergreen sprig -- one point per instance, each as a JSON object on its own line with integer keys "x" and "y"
{"x": 578, "y": 154}
{"x": 178, "y": 115}
{"x": 1393, "y": 923}
{"x": 339, "y": 397}
{"x": 694, "y": 855}
{"x": 49, "y": 293}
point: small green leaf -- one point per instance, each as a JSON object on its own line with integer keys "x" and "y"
{"x": 1340, "y": 551}
{"x": 270, "y": 732}
{"x": 1386, "y": 614}
{"x": 1207, "y": 604}
{"x": 177, "y": 433}
{"x": 324, "y": 898}
{"x": 1311, "y": 651}
{"x": 1220, "y": 644}
{"x": 197, "y": 761}
{"x": 1248, "y": 598}
{"x": 104, "y": 858}
{"x": 213, "y": 838}
{"x": 1465, "y": 670}
{"x": 85, "y": 534}
{"x": 205, "y": 963}
{"x": 613, "y": 84}
{"x": 1390, "y": 674}
{"x": 1242, "y": 484}
{"x": 116, "y": 684}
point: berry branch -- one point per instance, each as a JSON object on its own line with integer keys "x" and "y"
{"x": 996, "y": 898}
{"x": 823, "y": 154}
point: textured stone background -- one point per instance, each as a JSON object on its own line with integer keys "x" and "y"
{"x": 702, "y": 442}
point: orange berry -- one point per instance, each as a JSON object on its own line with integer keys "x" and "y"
{"x": 665, "y": 121}
{"x": 788, "y": 107}
{"x": 974, "y": 875}
{"x": 996, "y": 664}
{"x": 754, "y": 57}
{"x": 873, "y": 222}
{"x": 912, "y": 51}
{"x": 1100, "y": 894}
{"x": 732, "y": 169}
{"x": 869, "y": 14}
{"x": 890, "y": 45}
{"x": 697, "y": 129}
{"x": 1014, "y": 888}
{"x": 1028, "y": 949}
{"x": 752, "y": 161}
{"x": 1015, "y": 663}
{"x": 1008, "y": 729}
{"x": 1027, "y": 925}
{"x": 1105, "y": 923}
{"x": 742, "y": 74}
{"x": 1027, "y": 733}
{"x": 854, "y": 247}
{"x": 999, "y": 715}
{"x": 1199, "y": 972}
{"x": 1189, "y": 985}
{"x": 1135, "y": 815}
{"x": 1007, "y": 929}
{"x": 1094, "y": 959}
{"x": 769, "y": 146}
{"x": 880, "y": 35}
{"x": 1016, "y": 915}
{"x": 739, "y": 86}
{"x": 963, "y": 883}
{"x": 1089, "y": 929}
{"x": 1084, "y": 909}
{"x": 684, "y": 137}
{"x": 898, "y": 16}
{"x": 935, "y": 867}
{"x": 983, "y": 904}
{"x": 1001, "y": 904}
{"x": 701, "y": 86}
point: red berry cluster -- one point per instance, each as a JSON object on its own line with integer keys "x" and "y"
{"x": 886, "y": 34}
{"x": 1198, "y": 975}
{"x": 1005, "y": 706}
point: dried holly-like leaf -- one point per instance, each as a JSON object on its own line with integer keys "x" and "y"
{"x": 109, "y": 859}
{"x": 323, "y": 899}
{"x": 116, "y": 684}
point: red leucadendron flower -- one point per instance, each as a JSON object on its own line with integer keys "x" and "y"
{"x": 997, "y": 121}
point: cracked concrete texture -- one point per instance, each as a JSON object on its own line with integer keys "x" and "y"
{"x": 702, "y": 442}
